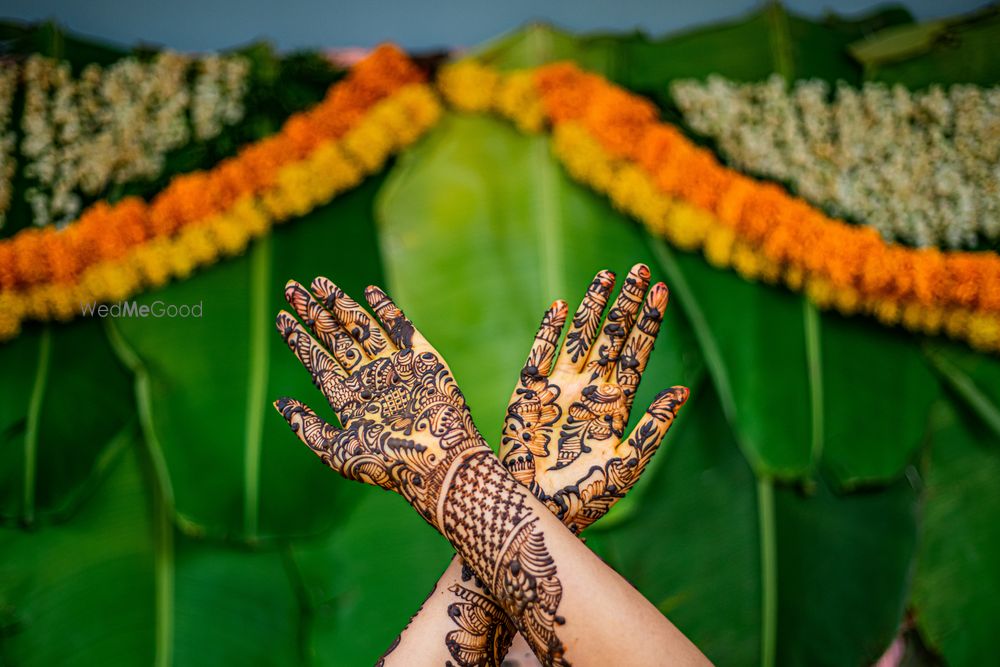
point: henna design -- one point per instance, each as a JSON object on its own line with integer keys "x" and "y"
{"x": 353, "y": 318}
{"x": 405, "y": 419}
{"x": 325, "y": 327}
{"x": 400, "y": 329}
{"x": 407, "y": 428}
{"x": 484, "y": 631}
{"x": 588, "y": 499}
{"x": 486, "y": 512}
{"x": 619, "y": 322}
{"x": 639, "y": 345}
{"x": 599, "y": 415}
{"x": 591, "y": 468}
{"x": 588, "y": 318}
{"x": 382, "y": 405}
{"x": 583, "y": 409}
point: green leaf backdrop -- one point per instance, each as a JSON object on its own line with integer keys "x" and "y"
{"x": 830, "y": 482}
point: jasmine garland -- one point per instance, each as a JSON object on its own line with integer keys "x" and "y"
{"x": 920, "y": 167}
{"x": 116, "y": 124}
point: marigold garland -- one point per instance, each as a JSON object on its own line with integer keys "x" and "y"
{"x": 111, "y": 252}
{"x": 612, "y": 141}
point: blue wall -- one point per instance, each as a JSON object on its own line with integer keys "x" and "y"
{"x": 217, "y": 24}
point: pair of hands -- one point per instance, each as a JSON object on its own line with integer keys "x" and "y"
{"x": 407, "y": 428}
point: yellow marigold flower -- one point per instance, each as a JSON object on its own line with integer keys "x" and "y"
{"x": 719, "y": 246}
{"x": 370, "y": 144}
{"x": 393, "y": 115}
{"x": 794, "y": 277}
{"x": 745, "y": 261}
{"x": 847, "y": 300}
{"x": 424, "y": 110}
{"x": 689, "y": 226}
{"x": 11, "y": 311}
{"x": 231, "y": 235}
{"x": 820, "y": 292}
{"x": 150, "y": 261}
{"x": 468, "y": 85}
{"x": 887, "y": 311}
{"x": 932, "y": 319}
{"x": 182, "y": 264}
{"x": 199, "y": 243}
{"x": 913, "y": 316}
{"x": 63, "y": 301}
{"x": 984, "y": 331}
{"x": 957, "y": 323}
{"x": 630, "y": 189}
{"x": 517, "y": 99}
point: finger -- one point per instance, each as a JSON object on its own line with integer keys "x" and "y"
{"x": 606, "y": 351}
{"x": 326, "y": 373}
{"x": 586, "y": 322}
{"x": 325, "y": 326}
{"x": 317, "y": 434}
{"x": 352, "y": 316}
{"x": 647, "y": 436}
{"x": 639, "y": 344}
{"x": 543, "y": 350}
{"x": 399, "y": 327}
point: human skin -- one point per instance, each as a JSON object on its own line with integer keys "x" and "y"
{"x": 563, "y": 440}
{"x": 406, "y": 428}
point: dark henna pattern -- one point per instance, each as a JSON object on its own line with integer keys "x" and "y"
{"x": 325, "y": 327}
{"x": 407, "y": 428}
{"x": 382, "y": 405}
{"x": 639, "y": 345}
{"x": 400, "y": 329}
{"x": 588, "y": 317}
{"x": 486, "y": 511}
{"x": 584, "y": 413}
{"x": 590, "y": 468}
{"x": 599, "y": 415}
{"x": 543, "y": 350}
{"x": 581, "y": 504}
{"x": 352, "y": 316}
{"x": 484, "y": 631}
{"x": 619, "y": 322}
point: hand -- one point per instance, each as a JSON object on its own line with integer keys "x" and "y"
{"x": 562, "y": 436}
{"x": 405, "y": 421}
{"x": 563, "y": 433}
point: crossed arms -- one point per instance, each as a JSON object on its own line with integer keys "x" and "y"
{"x": 513, "y": 520}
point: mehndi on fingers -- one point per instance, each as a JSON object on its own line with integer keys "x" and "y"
{"x": 407, "y": 428}
{"x": 562, "y": 437}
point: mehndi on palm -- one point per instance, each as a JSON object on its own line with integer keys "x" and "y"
{"x": 563, "y": 436}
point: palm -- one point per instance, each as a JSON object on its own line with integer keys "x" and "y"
{"x": 404, "y": 418}
{"x": 563, "y": 435}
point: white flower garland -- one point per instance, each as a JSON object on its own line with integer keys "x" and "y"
{"x": 922, "y": 167}
{"x": 8, "y": 159}
{"x": 116, "y": 124}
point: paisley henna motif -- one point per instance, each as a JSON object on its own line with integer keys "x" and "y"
{"x": 484, "y": 632}
{"x": 407, "y": 428}
{"x": 588, "y": 318}
{"x": 562, "y": 436}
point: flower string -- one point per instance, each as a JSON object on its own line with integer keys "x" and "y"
{"x": 114, "y": 251}
{"x": 613, "y": 141}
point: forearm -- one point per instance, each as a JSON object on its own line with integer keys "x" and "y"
{"x": 460, "y": 623}
{"x": 564, "y": 600}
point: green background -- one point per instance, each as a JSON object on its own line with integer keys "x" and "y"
{"x": 830, "y": 486}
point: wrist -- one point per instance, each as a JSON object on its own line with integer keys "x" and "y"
{"x": 493, "y": 522}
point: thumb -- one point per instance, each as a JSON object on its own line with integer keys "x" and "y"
{"x": 647, "y": 435}
{"x": 317, "y": 434}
